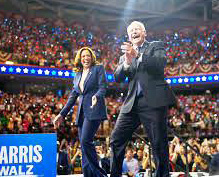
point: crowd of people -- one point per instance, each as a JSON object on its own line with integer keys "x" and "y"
{"x": 188, "y": 50}
{"x": 26, "y": 113}
{"x": 137, "y": 157}
{"x": 196, "y": 117}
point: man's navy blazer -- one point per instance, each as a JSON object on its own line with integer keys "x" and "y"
{"x": 94, "y": 84}
{"x": 150, "y": 74}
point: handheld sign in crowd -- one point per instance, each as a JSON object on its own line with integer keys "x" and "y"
{"x": 28, "y": 155}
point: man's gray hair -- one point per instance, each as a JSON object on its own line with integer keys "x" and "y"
{"x": 138, "y": 23}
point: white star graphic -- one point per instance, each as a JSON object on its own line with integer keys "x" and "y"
{"x": 46, "y": 72}
{"x": 40, "y": 71}
{"x": 186, "y": 80}
{"x": 60, "y": 73}
{"x": 180, "y": 80}
{"x": 197, "y": 79}
{"x": 25, "y": 70}
{"x": 204, "y": 78}
{"x": 18, "y": 70}
{"x": 66, "y": 73}
{"x": 3, "y": 68}
{"x": 168, "y": 81}
{"x": 216, "y": 77}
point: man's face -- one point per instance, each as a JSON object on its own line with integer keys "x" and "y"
{"x": 136, "y": 34}
{"x": 129, "y": 154}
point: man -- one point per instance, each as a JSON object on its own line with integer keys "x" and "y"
{"x": 130, "y": 164}
{"x": 63, "y": 162}
{"x": 147, "y": 100}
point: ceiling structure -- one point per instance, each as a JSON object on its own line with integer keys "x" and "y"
{"x": 114, "y": 15}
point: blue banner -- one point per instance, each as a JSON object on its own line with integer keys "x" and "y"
{"x": 28, "y": 155}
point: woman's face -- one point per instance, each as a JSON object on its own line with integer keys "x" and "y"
{"x": 86, "y": 59}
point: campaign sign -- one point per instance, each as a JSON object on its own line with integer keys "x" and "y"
{"x": 28, "y": 155}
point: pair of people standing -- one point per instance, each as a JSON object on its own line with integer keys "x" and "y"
{"x": 147, "y": 102}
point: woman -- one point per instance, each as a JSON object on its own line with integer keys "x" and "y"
{"x": 90, "y": 87}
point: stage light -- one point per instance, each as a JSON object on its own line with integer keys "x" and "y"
{"x": 204, "y": 78}
{"x": 180, "y": 80}
{"x": 25, "y": 70}
{"x": 40, "y": 71}
{"x": 168, "y": 81}
{"x": 174, "y": 81}
{"x": 53, "y": 73}
{"x": 47, "y": 72}
{"x": 32, "y": 71}
{"x": 186, "y": 80}
{"x": 66, "y": 73}
{"x": 216, "y": 77}
{"x": 110, "y": 77}
{"x": 60, "y": 73}
{"x": 192, "y": 79}
{"x": 198, "y": 79}
{"x": 11, "y": 69}
{"x": 210, "y": 78}
{"x": 18, "y": 70}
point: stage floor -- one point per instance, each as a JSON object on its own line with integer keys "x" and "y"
{"x": 173, "y": 174}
